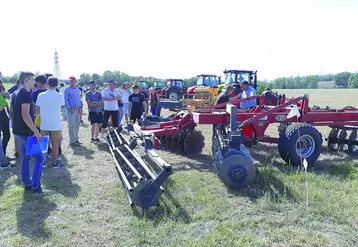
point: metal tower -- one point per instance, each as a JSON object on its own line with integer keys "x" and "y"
{"x": 57, "y": 72}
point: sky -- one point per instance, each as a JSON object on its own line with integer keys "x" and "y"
{"x": 181, "y": 39}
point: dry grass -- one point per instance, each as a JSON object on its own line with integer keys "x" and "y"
{"x": 89, "y": 206}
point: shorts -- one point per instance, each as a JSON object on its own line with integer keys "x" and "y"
{"x": 57, "y": 134}
{"x": 95, "y": 117}
{"x": 125, "y": 108}
{"x": 134, "y": 118}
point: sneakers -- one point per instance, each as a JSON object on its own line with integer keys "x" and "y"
{"x": 28, "y": 188}
{"x": 93, "y": 140}
{"x": 57, "y": 165}
{"x": 40, "y": 191}
{"x": 4, "y": 166}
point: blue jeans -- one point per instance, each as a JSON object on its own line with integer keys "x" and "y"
{"x": 3, "y": 159}
{"x": 25, "y": 165}
{"x": 120, "y": 115}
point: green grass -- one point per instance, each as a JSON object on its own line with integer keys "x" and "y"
{"x": 89, "y": 206}
{"x": 8, "y": 85}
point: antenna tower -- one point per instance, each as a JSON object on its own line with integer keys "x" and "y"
{"x": 57, "y": 72}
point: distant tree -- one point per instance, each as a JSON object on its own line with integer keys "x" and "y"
{"x": 353, "y": 80}
{"x": 84, "y": 79}
{"x": 341, "y": 79}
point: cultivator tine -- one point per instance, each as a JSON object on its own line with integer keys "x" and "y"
{"x": 143, "y": 187}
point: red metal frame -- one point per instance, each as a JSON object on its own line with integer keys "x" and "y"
{"x": 255, "y": 121}
{"x": 259, "y": 118}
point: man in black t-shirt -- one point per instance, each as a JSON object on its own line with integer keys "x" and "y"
{"x": 136, "y": 105}
{"x": 23, "y": 128}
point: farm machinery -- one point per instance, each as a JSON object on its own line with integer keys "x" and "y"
{"x": 204, "y": 93}
{"x": 141, "y": 181}
{"x": 207, "y": 89}
{"x": 235, "y": 129}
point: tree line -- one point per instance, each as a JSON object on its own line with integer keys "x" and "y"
{"x": 342, "y": 80}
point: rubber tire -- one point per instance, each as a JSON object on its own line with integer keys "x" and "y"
{"x": 287, "y": 143}
{"x": 237, "y": 162}
{"x": 169, "y": 93}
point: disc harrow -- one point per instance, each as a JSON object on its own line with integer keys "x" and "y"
{"x": 141, "y": 181}
{"x": 339, "y": 139}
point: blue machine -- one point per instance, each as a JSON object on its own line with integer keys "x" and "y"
{"x": 233, "y": 162}
{"x": 142, "y": 185}
{"x": 168, "y": 104}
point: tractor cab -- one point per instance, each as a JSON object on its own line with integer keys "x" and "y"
{"x": 235, "y": 77}
{"x": 174, "y": 89}
{"x": 208, "y": 80}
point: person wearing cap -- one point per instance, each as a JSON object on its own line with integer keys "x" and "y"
{"x": 73, "y": 104}
{"x": 94, "y": 102}
{"x": 224, "y": 96}
{"x": 247, "y": 91}
{"x": 110, "y": 97}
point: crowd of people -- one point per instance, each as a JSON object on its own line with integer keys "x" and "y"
{"x": 37, "y": 105}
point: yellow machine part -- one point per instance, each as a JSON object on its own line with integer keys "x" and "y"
{"x": 203, "y": 97}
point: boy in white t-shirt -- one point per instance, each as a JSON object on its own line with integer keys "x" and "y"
{"x": 125, "y": 98}
{"x": 110, "y": 97}
{"x": 49, "y": 105}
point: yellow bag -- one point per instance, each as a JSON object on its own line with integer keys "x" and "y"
{"x": 38, "y": 121}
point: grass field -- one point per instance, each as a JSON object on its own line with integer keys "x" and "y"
{"x": 89, "y": 206}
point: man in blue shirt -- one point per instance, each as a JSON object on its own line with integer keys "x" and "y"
{"x": 247, "y": 91}
{"x": 73, "y": 106}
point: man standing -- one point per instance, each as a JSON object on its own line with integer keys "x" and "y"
{"x": 110, "y": 97}
{"x": 247, "y": 91}
{"x": 137, "y": 105}
{"x": 73, "y": 106}
{"x": 94, "y": 102}
{"x": 23, "y": 127}
{"x": 41, "y": 82}
{"x": 48, "y": 106}
{"x": 145, "y": 94}
{"x": 224, "y": 96}
{"x": 125, "y": 96}
{"x": 61, "y": 90}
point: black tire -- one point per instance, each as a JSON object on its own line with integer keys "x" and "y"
{"x": 311, "y": 144}
{"x": 170, "y": 95}
{"x": 237, "y": 171}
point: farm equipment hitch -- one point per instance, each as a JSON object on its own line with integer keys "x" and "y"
{"x": 143, "y": 186}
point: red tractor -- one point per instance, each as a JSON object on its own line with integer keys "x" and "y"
{"x": 174, "y": 90}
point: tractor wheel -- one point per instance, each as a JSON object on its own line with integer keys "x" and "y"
{"x": 172, "y": 95}
{"x": 236, "y": 171}
{"x": 289, "y": 144}
{"x": 282, "y": 128}
{"x": 194, "y": 143}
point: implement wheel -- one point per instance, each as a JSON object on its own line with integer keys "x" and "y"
{"x": 236, "y": 171}
{"x": 308, "y": 146}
